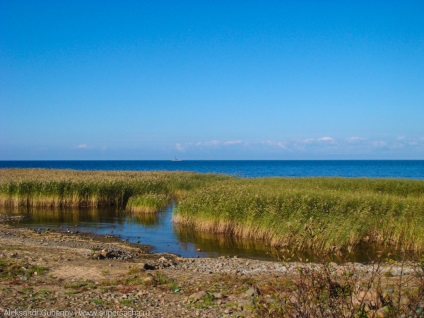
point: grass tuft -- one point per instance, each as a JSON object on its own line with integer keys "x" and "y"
{"x": 148, "y": 203}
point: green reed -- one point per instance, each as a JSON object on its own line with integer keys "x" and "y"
{"x": 147, "y": 203}
{"x": 42, "y": 187}
{"x": 324, "y": 214}
{"x": 311, "y": 213}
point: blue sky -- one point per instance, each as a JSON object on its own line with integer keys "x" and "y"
{"x": 211, "y": 79}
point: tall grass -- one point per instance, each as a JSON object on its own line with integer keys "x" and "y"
{"x": 147, "y": 203}
{"x": 58, "y": 188}
{"x": 323, "y": 214}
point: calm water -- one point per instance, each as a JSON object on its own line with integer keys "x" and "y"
{"x": 413, "y": 169}
{"x": 158, "y": 230}
{"x": 165, "y": 237}
{"x": 154, "y": 229}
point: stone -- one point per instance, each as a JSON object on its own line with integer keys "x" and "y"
{"x": 148, "y": 267}
{"x": 197, "y": 296}
{"x": 251, "y": 292}
{"x": 370, "y": 298}
{"x": 96, "y": 255}
{"x": 218, "y": 295}
{"x": 148, "y": 280}
{"x": 105, "y": 253}
{"x": 383, "y": 312}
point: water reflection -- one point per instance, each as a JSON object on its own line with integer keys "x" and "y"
{"x": 76, "y": 216}
{"x": 147, "y": 220}
{"x": 154, "y": 229}
{"x": 65, "y": 215}
{"x": 159, "y": 231}
{"x": 226, "y": 244}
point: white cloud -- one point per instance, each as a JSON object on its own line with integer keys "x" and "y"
{"x": 318, "y": 140}
{"x": 274, "y": 144}
{"x": 355, "y": 146}
{"x": 83, "y": 146}
{"x": 379, "y": 143}
{"x": 326, "y": 139}
{"x": 233, "y": 142}
{"x": 207, "y": 143}
{"x": 355, "y": 139}
{"x": 180, "y": 147}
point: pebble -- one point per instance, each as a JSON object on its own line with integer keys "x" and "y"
{"x": 150, "y": 297}
{"x": 197, "y": 296}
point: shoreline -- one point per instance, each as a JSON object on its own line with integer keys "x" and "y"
{"x": 69, "y": 271}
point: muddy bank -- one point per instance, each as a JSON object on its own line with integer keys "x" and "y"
{"x": 76, "y": 272}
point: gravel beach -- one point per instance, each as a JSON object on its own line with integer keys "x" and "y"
{"x": 77, "y": 274}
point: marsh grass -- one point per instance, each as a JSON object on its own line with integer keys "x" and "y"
{"x": 335, "y": 215}
{"x": 145, "y": 191}
{"x": 147, "y": 203}
{"x": 321, "y": 214}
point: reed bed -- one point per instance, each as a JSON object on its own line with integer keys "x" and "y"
{"x": 61, "y": 188}
{"x": 315, "y": 214}
{"x": 147, "y": 203}
{"x": 318, "y": 214}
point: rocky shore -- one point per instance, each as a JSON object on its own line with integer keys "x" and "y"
{"x": 76, "y": 274}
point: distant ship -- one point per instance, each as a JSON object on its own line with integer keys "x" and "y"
{"x": 175, "y": 159}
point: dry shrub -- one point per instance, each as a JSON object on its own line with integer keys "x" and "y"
{"x": 350, "y": 290}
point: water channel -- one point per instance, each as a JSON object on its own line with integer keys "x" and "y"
{"x": 156, "y": 230}
{"x": 164, "y": 236}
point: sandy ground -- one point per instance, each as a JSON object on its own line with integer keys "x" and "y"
{"x": 74, "y": 274}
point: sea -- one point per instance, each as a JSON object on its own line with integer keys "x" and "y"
{"x": 409, "y": 169}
